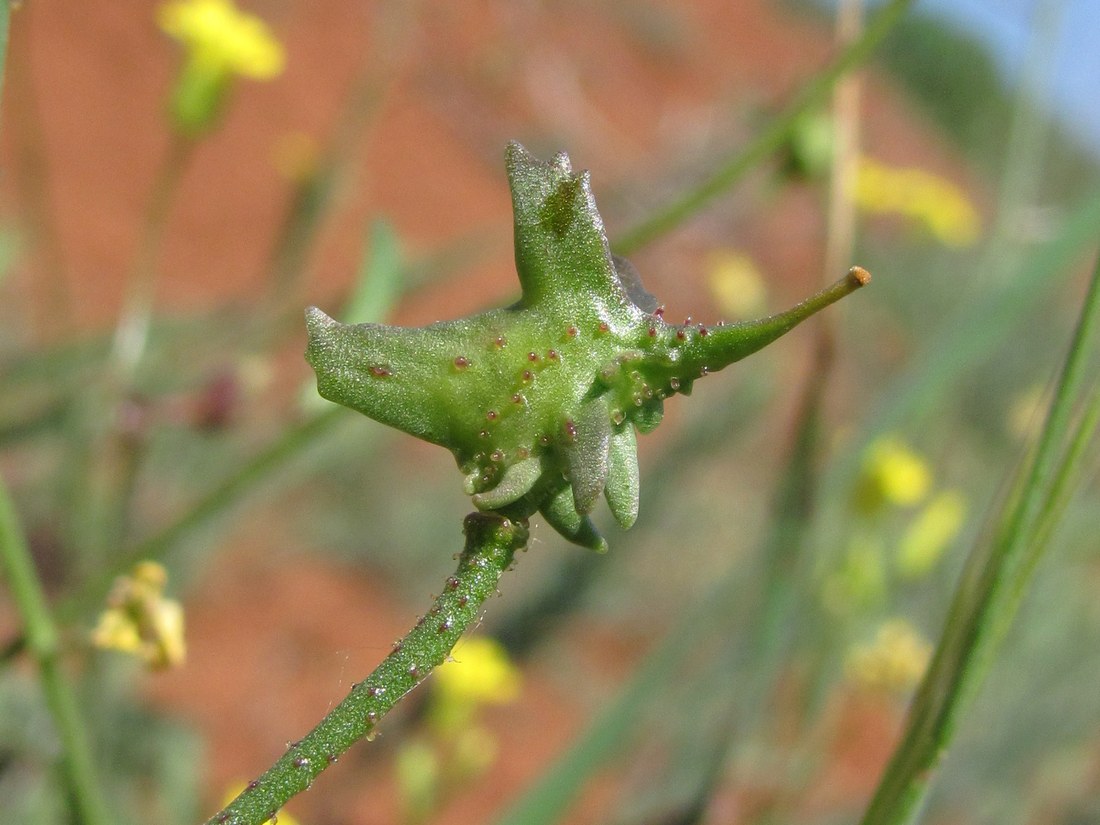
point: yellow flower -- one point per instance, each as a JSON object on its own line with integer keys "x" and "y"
{"x": 931, "y": 532}
{"x": 939, "y": 204}
{"x": 892, "y": 474}
{"x": 221, "y": 42}
{"x": 479, "y": 673}
{"x": 893, "y": 662}
{"x": 736, "y": 284}
{"x": 222, "y": 39}
{"x": 283, "y": 817}
{"x": 140, "y": 621}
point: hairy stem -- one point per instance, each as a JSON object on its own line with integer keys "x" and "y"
{"x": 811, "y": 96}
{"x": 491, "y": 542}
{"x": 41, "y": 638}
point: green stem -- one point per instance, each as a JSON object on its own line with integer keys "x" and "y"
{"x": 988, "y": 596}
{"x": 132, "y": 329}
{"x": 491, "y": 542}
{"x": 812, "y": 95}
{"x": 41, "y": 638}
{"x": 31, "y": 178}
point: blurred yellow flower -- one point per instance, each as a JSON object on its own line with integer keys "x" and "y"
{"x": 893, "y": 662}
{"x": 892, "y": 474}
{"x": 222, "y": 39}
{"x": 221, "y": 43}
{"x": 140, "y": 621}
{"x": 479, "y": 671}
{"x": 938, "y": 203}
{"x": 283, "y": 817}
{"x": 736, "y": 284}
{"x": 931, "y": 532}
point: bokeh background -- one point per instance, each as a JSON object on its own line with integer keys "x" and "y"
{"x": 378, "y": 154}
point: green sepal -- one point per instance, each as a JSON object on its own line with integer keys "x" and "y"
{"x": 517, "y": 481}
{"x": 562, "y": 515}
{"x": 586, "y": 453}
{"x": 623, "y": 480}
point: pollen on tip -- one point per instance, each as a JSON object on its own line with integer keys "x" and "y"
{"x": 860, "y": 275}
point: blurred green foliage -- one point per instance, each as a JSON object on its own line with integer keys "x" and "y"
{"x": 747, "y": 705}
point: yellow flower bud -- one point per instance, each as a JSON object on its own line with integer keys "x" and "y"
{"x": 221, "y": 38}
{"x": 941, "y": 206}
{"x": 893, "y": 662}
{"x": 892, "y": 474}
{"x": 931, "y": 532}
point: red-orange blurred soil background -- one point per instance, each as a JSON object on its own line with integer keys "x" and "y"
{"x": 643, "y": 95}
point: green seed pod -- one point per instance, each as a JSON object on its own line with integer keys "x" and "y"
{"x": 539, "y": 401}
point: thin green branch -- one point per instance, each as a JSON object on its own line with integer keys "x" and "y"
{"x": 42, "y": 643}
{"x": 812, "y": 95}
{"x": 990, "y": 591}
{"x": 491, "y": 542}
{"x": 258, "y": 470}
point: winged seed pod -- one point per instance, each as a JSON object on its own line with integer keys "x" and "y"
{"x": 539, "y": 401}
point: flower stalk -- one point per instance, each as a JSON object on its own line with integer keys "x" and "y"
{"x": 42, "y": 642}
{"x": 491, "y": 543}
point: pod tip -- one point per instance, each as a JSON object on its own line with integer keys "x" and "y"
{"x": 860, "y": 276}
